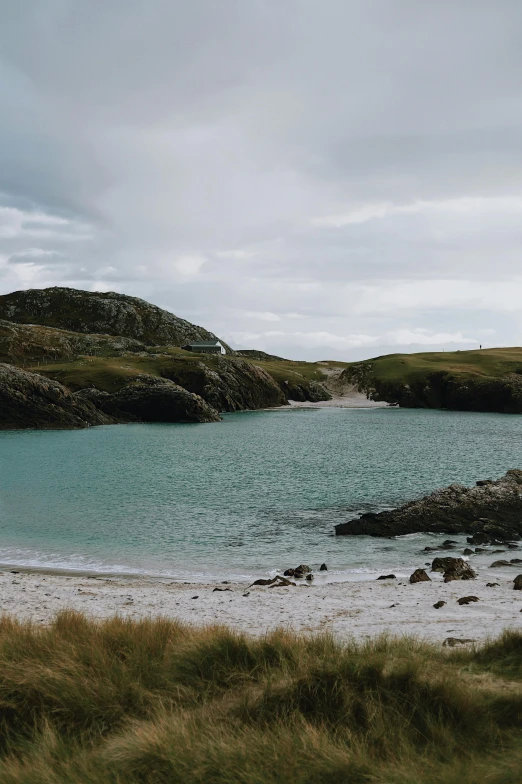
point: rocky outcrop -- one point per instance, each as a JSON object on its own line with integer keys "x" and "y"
{"x": 227, "y": 384}
{"x": 493, "y": 509}
{"x": 151, "y": 399}
{"x": 108, "y": 313}
{"x": 28, "y": 400}
{"x": 31, "y": 343}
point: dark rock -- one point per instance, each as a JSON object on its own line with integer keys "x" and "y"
{"x": 301, "y": 570}
{"x": 28, "y": 400}
{"x": 387, "y": 577}
{"x": 195, "y": 597}
{"x": 152, "y": 399}
{"x": 448, "y": 542}
{"x": 480, "y": 550}
{"x": 512, "y": 546}
{"x": 497, "y": 552}
{"x": 419, "y": 576}
{"x": 447, "y": 547}
{"x": 467, "y": 599}
{"x": 517, "y": 582}
{"x": 453, "y": 569}
{"x": 430, "y": 549}
{"x": 484, "y": 482}
{"x": 323, "y": 568}
{"x": 289, "y": 572}
{"x": 496, "y": 564}
{"x": 439, "y": 604}
{"x": 309, "y": 577}
{"x": 516, "y": 560}
{"x": 221, "y": 589}
{"x": 467, "y": 551}
{"x": 491, "y": 585}
{"x": 488, "y": 512}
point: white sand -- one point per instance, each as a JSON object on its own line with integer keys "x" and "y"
{"x": 350, "y": 609}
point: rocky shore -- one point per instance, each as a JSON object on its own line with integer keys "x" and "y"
{"x": 491, "y": 511}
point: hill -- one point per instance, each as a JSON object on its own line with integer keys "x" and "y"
{"x": 481, "y": 380}
{"x": 96, "y": 312}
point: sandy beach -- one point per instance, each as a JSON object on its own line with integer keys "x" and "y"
{"x": 350, "y": 609}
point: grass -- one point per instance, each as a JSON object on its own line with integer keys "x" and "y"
{"x": 408, "y": 368}
{"x": 110, "y": 373}
{"x": 156, "y": 701}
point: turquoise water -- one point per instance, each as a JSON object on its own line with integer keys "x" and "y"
{"x": 257, "y": 492}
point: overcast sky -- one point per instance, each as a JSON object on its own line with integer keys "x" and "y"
{"x": 314, "y": 178}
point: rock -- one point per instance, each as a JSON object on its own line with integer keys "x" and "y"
{"x": 444, "y": 564}
{"x": 289, "y": 572}
{"x": 309, "y": 577}
{"x": 419, "y": 576}
{"x": 323, "y": 568}
{"x": 430, "y": 549}
{"x": 467, "y": 551}
{"x": 301, "y": 570}
{"x": 497, "y": 552}
{"x": 453, "y": 641}
{"x": 447, "y": 547}
{"x": 449, "y": 542}
{"x": 487, "y": 512}
{"x": 484, "y": 482}
{"x": 247, "y": 593}
{"x": 221, "y": 589}
{"x": 453, "y": 569}
{"x": 467, "y": 599}
{"x": 516, "y": 560}
{"x": 480, "y": 550}
{"x": 152, "y": 399}
{"x": 194, "y": 597}
{"x": 439, "y": 604}
{"x": 517, "y": 582}
{"x": 28, "y": 400}
{"x": 387, "y": 577}
{"x": 512, "y": 546}
{"x": 497, "y": 564}
{"x": 491, "y": 585}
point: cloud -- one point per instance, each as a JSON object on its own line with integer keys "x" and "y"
{"x": 354, "y": 166}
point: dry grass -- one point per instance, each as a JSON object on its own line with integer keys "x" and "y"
{"x": 155, "y": 701}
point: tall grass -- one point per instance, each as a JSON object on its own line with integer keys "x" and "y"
{"x": 155, "y": 701}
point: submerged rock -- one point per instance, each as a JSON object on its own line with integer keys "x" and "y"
{"x": 28, "y": 400}
{"x": 488, "y": 512}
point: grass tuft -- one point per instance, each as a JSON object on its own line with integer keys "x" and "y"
{"x": 134, "y": 702}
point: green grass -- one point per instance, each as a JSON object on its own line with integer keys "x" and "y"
{"x": 110, "y": 373}
{"x": 407, "y": 368}
{"x": 155, "y": 701}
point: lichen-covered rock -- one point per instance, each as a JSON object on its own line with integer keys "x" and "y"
{"x": 28, "y": 400}
{"x": 227, "y": 384}
{"x": 92, "y": 311}
{"x": 494, "y": 509}
{"x": 151, "y": 399}
{"x": 26, "y": 343}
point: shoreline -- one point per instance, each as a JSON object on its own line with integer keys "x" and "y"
{"x": 358, "y": 609}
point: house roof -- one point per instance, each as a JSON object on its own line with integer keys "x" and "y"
{"x": 205, "y": 343}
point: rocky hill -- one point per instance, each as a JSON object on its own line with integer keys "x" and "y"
{"x": 95, "y": 312}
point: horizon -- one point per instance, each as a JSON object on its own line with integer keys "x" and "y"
{"x": 340, "y": 181}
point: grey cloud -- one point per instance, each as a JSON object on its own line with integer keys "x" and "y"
{"x": 200, "y": 154}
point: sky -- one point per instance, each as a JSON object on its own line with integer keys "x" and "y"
{"x": 320, "y": 179}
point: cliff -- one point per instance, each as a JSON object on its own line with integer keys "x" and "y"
{"x": 488, "y": 380}
{"x": 27, "y": 400}
{"x": 490, "y": 510}
{"x": 96, "y": 312}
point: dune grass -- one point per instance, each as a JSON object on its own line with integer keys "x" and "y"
{"x": 156, "y": 701}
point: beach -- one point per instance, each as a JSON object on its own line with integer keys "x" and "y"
{"x": 358, "y": 610}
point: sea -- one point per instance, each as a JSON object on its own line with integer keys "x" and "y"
{"x": 244, "y": 498}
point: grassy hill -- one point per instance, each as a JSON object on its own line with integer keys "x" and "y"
{"x": 157, "y": 702}
{"x": 480, "y": 380}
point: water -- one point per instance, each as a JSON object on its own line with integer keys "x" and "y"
{"x": 258, "y": 492}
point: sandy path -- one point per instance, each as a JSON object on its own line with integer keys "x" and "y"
{"x": 359, "y": 609}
